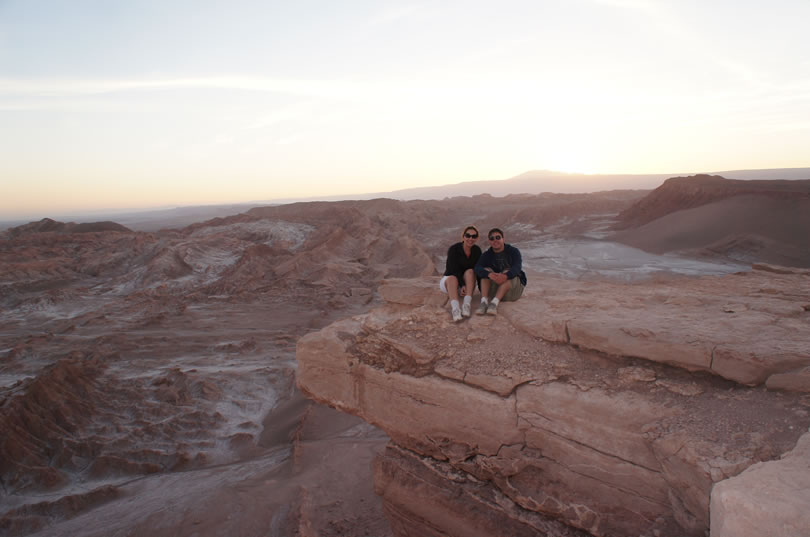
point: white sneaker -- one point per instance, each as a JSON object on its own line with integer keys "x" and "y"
{"x": 492, "y": 309}
{"x": 465, "y": 310}
{"x": 482, "y": 309}
{"x": 456, "y": 315}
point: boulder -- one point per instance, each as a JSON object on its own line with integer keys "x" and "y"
{"x": 769, "y": 498}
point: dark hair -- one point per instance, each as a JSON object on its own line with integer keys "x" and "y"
{"x": 470, "y": 227}
{"x": 495, "y": 230}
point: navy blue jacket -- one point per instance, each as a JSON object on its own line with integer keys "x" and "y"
{"x": 487, "y": 260}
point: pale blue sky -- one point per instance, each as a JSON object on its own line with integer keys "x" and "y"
{"x": 138, "y": 103}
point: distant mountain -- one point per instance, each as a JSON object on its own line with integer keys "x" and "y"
{"x": 535, "y": 182}
{"x": 530, "y": 182}
{"x": 155, "y": 219}
{"x": 48, "y": 225}
{"x": 539, "y": 181}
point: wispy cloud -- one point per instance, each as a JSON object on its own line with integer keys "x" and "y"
{"x": 74, "y": 87}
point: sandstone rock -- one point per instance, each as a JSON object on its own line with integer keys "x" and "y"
{"x": 689, "y": 323}
{"x": 770, "y": 498}
{"x": 412, "y": 292}
{"x": 607, "y": 444}
{"x": 404, "y": 406}
{"x": 796, "y": 381}
{"x": 636, "y": 374}
{"x": 424, "y": 497}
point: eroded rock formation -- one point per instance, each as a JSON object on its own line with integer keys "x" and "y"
{"x": 746, "y": 221}
{"x": 583, "y": 408}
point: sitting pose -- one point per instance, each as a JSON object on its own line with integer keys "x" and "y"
{"x": 500, "y": 270}
{"x": 459, "y": 274}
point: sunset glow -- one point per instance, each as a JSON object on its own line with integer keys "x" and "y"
{"x": 107, "y": 105}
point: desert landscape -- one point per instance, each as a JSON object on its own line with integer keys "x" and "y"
{"x": 292, "y": 370}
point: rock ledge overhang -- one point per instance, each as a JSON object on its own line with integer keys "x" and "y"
{"x": 567, "y": 405}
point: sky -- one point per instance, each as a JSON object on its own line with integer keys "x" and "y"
{"x": 120, "y": 104}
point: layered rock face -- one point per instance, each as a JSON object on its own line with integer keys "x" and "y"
{"x": 583, "y": 408}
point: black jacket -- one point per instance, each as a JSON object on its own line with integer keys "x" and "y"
{"x": 458, "y": 262}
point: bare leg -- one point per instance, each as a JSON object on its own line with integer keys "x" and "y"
{"x": 452, "y": 291}
{"x": 503, "y": 289}
{"x": 485, "y": 283}
{"x": 469, "y": 282}
{"x": 467, "y": 292}
{"x": 482, "y": 307}
{"x": 452, "y": 287}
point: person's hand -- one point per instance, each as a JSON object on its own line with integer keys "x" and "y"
{"x": 498, "y": 277}
{"x": 463, "y": 290}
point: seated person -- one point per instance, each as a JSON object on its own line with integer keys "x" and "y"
{"x": 500, "y": 269}
{"x": 459, "y": 273}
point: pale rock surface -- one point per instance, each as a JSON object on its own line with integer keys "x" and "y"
{"x": 796, "y": 381}
{"x": 566, "y": 437}
{"x": 770, "y": 498}
{"x": 744, "y": 327}
{"x": 412, "y": 292}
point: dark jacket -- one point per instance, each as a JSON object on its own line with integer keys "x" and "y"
{"x": 458, "y": 262}
{"x": 487, "y": 261}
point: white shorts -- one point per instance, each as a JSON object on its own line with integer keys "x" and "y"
{"x": 443, "y": 283}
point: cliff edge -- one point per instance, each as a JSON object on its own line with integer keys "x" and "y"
{"x": 585, "y": 408}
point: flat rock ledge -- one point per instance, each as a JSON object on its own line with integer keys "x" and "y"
{"x": 750, "y": 327}
{"x": 586, "y": 408}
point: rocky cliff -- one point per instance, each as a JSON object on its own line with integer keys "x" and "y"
{"x": 746, "y": 221}
{"x": 657, "y": 409}
{"x": 680, "y": 193}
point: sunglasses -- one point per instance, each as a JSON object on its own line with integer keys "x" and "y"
{"x": 470, "y": 236}
{"x": 495, "y": 237}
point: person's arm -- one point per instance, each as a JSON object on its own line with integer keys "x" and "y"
{"x": 476, "y": 255}
{"x": 451, "y": 266}
{"x": 482, "y": 269}
{"x": 515, "y": 263}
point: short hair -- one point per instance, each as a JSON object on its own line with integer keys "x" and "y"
{"x": 495, "y": 230}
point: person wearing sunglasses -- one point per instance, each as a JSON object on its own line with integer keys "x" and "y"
{"x": 500, "y": 270}
{"x": 459, "y": 273}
